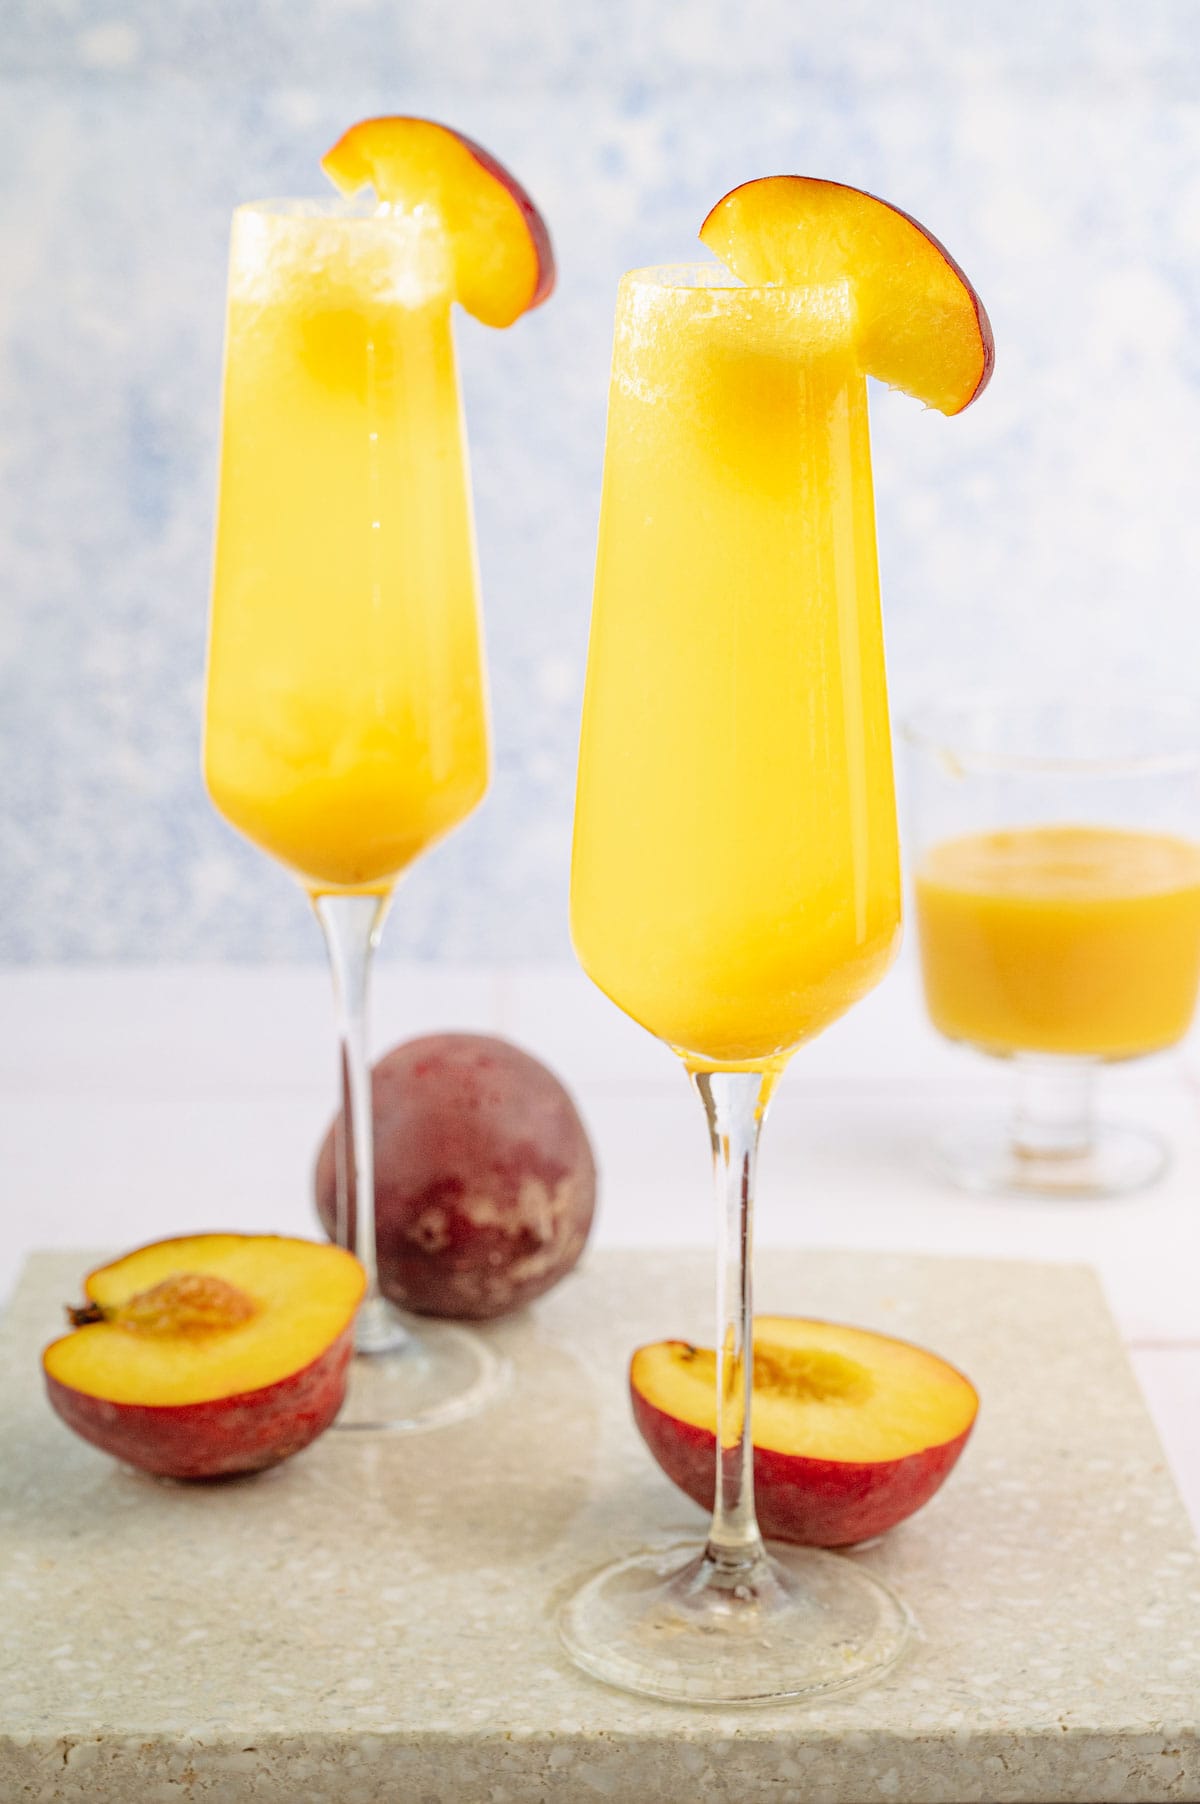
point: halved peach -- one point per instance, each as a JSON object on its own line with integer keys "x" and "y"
{"x": 500, "y": 244}
{"x": 852, "y": 1431}
{"x": 921, "y": 326}
{"x": 210, "y": 1354}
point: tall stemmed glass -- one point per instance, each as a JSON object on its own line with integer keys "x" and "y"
{"x": 346, "y": 725}
{"x": 735, "y": 882}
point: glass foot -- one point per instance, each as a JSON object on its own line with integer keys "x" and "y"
{"x": 810, "y": 1623}
{"x": 426, "y": 1379}
{"x": 1116, "y": 1160}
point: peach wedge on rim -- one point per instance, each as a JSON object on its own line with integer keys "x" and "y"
{"x": 921, "y": 326}
{"x": 503, "y": 260}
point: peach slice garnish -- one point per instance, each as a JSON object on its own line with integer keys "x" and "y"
{"x": 503, "y": 259}
{"x": 921, "y": 326}
{"x": 853, "y": 1431}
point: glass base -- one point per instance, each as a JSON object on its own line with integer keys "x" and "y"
{"x": 808, "y": 1624}
{"x": 985, "y": 1158}
{"x": 423, "y": 1379}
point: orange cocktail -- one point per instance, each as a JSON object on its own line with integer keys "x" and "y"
{"x": 345, "y": 721}
{"x": 1070, "y": 940}
{"x": 734, "y": 882}
{"x": 346, "y": 728}
{"x": 1057, "y": 888}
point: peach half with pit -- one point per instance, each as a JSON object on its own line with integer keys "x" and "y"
{"x": 208, "y": 1355}
{"x": 852, "y": 1430}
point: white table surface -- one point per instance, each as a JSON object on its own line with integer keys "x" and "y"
{"x": 140, "y": 1102}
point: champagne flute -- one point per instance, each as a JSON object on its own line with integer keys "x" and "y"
{"x": 346, "y": 723}
{"x": 735, "y": 881}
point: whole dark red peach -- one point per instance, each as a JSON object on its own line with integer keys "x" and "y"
{"x": 485, "y": 1183}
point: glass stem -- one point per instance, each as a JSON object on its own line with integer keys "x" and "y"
{"x": 352, "y": 925}
{"x": 1053, "y": 1114}
{"x": 735, "y": 1103}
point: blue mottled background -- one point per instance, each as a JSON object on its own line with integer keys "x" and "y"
{"x": 1055, "y": 147}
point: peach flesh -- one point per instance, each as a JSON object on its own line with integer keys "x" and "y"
{"x": 210, "y": 1355}
{"x": 501, "y": 243}
{"x": 922, "y": 326}
{"x": 810, "y": 1396}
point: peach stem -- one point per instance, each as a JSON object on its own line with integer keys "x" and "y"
{"x": 735, "y": 1104}
{"x": 352, "y": 925}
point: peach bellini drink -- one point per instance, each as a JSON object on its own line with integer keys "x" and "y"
{"x": 346, "y": 722}
{"x": 1075, "y": 942}
{"x": 735, "y": 882}
{"x": 1057, "y": 889}
{"x": 346, "y": 726}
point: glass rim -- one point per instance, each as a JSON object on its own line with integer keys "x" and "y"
{"x": 659, "y": 276}
{"x": 941, "y": 728}
{"x": 322, "y": 206}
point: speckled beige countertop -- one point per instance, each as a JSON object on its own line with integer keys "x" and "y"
{"x": 373, "y": 1622}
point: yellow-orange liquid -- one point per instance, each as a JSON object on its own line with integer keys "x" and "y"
{"x": 1074, "y": 940}
{"x": 735, "y": 882}
{"x": 346, "y": 724}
